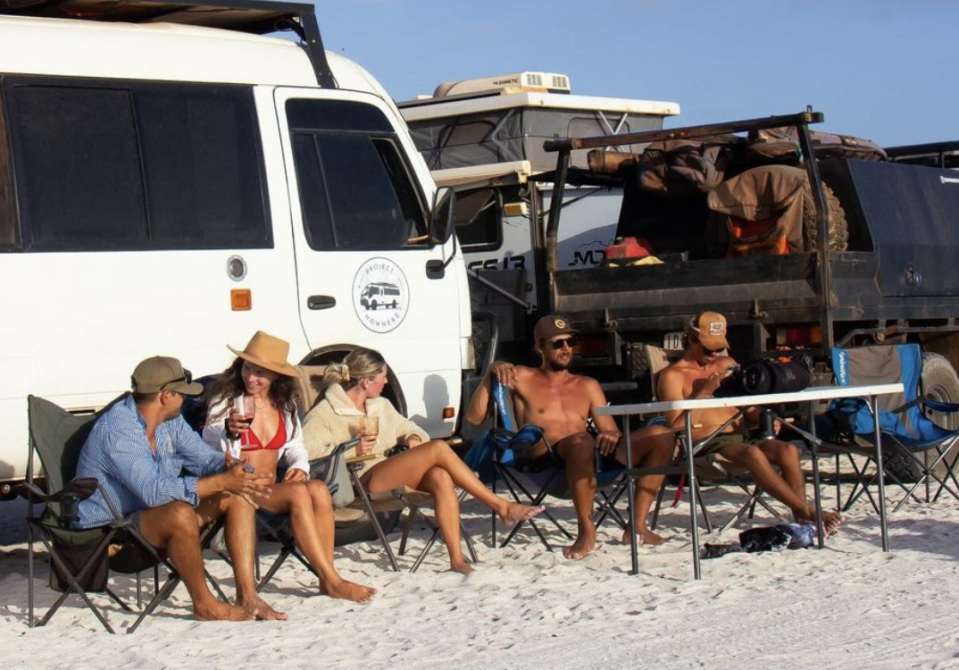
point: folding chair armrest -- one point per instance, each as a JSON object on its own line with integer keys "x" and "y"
{"x": 76, "y": 490}
{"x": 335, "y": 459}
{"x": 939, "y": 406}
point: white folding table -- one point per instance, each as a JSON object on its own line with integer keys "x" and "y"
{"x": 809, "y": 397}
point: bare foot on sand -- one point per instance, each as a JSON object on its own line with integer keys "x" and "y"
{"x": 831, "y": 522}
{"x": 645, "y": 536}
{"x": 344, "y": 590}
{"x": 514, "y": 512}
{"x": 461, "y": 567}
{"x": 217, "y": 611}
{"x": 583, "y": 544}
{"x": 261, "y": 610}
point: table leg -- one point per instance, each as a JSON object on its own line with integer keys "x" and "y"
{"x": 691, "y": 483}
{"x": 631, "y": 486}
{"x": 815, "y": 475}
{"x": 874, "y": 406}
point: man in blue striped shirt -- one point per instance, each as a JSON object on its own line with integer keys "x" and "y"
{"x": 139, "y": 451}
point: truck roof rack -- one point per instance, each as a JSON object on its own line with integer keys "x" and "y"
{"x": 935, "y": 154}
{"x": 248, "y": 16}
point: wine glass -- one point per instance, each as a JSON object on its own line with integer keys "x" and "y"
{"x": 245, "y": 409}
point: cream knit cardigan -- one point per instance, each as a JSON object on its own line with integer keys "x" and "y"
{"x": 329, "y": 422}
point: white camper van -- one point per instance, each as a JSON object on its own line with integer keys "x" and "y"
{"x": 484, "y": 137}
{"x": 173, "y": 181}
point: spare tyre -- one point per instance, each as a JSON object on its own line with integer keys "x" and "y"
{"x": 838, "y": 227}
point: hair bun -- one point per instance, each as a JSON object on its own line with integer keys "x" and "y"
{"x": 336, "y": 373}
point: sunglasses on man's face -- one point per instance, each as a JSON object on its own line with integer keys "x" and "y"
{"x": 566, "y": 341}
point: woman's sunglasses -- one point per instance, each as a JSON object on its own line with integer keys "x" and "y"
{"x": 566, "y": 341}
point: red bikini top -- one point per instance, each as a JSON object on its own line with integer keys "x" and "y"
{"x": 276, "y": 443}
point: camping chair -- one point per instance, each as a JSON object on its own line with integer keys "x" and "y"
{"x": 907, "y": 432}
{"x": 508, "y": 441}
{"x": 397, "y": 500}
{"x": 79, "y": 558}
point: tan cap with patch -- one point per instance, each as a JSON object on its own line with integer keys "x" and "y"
{"x": 710, "y": 329}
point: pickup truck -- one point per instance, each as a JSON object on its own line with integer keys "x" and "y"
{"x": 888, "y": 273}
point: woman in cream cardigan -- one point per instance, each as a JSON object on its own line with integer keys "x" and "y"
{"x": 353, "y": 390}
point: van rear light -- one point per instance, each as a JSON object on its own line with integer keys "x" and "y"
{"x": 592, "y": 346}
{"x": 798, "y": 336}
{"x": 448, "y": 412}
{"x": 241, "y": 300}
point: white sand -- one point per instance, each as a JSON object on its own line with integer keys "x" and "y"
{"x": 850, "y": 606}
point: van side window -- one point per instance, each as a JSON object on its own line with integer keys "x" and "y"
{"x": 135, "y": 165}
{"x": 8, "y": 219}
{"x": 355, "y": 185}
{"x": 478, "y": 216}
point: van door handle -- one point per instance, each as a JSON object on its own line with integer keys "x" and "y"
{"x": 320, "y": 301}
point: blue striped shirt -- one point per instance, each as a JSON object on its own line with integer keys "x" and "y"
{"x": 118, "y": 455}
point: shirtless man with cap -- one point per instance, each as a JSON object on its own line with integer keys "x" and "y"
{"x": 705, "y": 363}
{"x": 561, "y": 403}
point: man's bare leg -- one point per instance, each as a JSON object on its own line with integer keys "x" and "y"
{"x": 409, "y": 468}
{"x": 175, "y": 527}
{"x": 753, "y": 459}
{"x": 438, "y": 482}
{"x": 652, "y": 447}
{"x": 786, "y": 456}
{"x": 240, "y": 532}
{"x": 294, "y": 498}
{"x": 578, "y": 453}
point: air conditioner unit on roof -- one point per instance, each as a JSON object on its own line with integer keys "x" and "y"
{"x": 524, "y": 81}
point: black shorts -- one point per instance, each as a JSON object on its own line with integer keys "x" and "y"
{"x": 551, "y": 459}
{"x": 131, "y": 556}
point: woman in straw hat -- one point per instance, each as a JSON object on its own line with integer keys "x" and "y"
{"x": 253, "y": 414}
{"x": 353, "y": 391}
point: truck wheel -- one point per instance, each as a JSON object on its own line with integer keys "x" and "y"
{"x": 838, "y": 227}
{"x": 373, "y": 305}
{"x": 939, "y": 382}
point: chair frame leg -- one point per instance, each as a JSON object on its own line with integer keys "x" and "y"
{"x": 368, "y": 505}
{"x": 73, "y": 581}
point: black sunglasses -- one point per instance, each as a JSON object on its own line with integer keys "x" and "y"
{"x": 187, "y": 377}
{"x": 558, "y": 344}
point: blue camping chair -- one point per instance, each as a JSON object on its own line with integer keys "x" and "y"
{"x": 500, "y": 455}
{"x": 907, "y": 432}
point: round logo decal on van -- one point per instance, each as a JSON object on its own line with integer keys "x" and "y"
{"x": 381, "y": 296}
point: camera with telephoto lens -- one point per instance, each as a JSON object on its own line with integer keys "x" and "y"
{"x": 768, "y": 376}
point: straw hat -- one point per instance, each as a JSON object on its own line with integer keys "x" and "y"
{"x": 267, "y": 352}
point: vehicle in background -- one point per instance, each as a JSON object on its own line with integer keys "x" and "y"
{"x": 171, "y": 181}
{"x": 484, "y": 137}
{"x": 887, "y": 273}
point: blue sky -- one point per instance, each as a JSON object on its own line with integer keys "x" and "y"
{"x": 882, "y": 69}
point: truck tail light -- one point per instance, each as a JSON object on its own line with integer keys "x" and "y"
{"x": 798, "y": 336}
{"x": 592, "y": 346}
